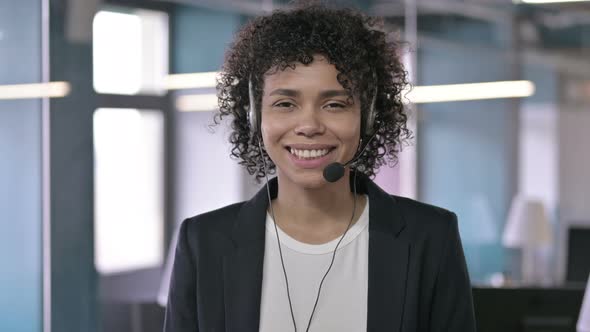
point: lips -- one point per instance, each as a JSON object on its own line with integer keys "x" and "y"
{"x": 309, "y": 151}
{"x": 310, "y": 156}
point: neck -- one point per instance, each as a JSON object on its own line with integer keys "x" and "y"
{"x": 331, "y": 204}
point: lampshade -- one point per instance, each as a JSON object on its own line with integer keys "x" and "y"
{"x": 584, "y": 320}
{"x": 527, "y": 225}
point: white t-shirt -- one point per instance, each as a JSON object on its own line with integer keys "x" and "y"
{"x": 342, "y": 305}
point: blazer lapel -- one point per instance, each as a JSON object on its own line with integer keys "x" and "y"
{"x": 388, "y": 262}
{"x": 242, "y": 268}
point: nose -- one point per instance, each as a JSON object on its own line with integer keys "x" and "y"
{"x": 309, "y": 123}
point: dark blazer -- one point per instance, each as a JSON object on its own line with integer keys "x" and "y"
{"x": 418, "y": 278}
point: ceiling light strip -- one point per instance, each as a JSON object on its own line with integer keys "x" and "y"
{"x": 418, "y": 95}
{"x": 197, "y": 103}
{"x": 190, "y": 81}
{"x": 470, "y": 91}
{"x": 546, "y": 1}
{"x": 35, "y": 90}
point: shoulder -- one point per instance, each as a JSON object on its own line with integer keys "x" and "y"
{"x": 426, "y": 218}
{"x": 414, "y": 208}
{"x": 219, "y": 221}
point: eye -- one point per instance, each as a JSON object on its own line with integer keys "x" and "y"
{"x": 284, "y": 105}
{"x": 335, "y": 106}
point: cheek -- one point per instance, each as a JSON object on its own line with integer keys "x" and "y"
{"x": 272, "y": 131}
{"x": 347, "y": 130}
{"x": 349, "y": 134}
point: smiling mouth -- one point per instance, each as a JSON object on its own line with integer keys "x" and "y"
{"x": 309, "y": 154}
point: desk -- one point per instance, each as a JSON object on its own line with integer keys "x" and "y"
{"x": 527, "y": 309}
{"x": 128, "y": 302}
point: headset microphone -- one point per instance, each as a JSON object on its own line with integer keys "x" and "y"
{"x": 335, "y": 171}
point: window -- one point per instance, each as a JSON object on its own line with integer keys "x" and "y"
{"x": 130, "y": 51}
{"x": 130, "y": 62}
{"x": 128, "y": 176}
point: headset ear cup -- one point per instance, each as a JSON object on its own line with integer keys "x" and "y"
{"x": 369, "y": 128}
{"x": 370, "y": 118}
{"x": 253, "y": 122}
{"x": 252, "y": 113}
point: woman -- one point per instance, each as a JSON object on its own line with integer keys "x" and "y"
{"x": 309, "y": 88}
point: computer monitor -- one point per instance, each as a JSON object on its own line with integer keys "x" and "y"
{"x": 578, "y": 254}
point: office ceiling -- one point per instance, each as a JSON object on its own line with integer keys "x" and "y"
{"x": 247, "y": 6}
{"x": 549, "y": 22}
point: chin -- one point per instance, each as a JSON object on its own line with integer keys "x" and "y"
{"x": 307, "y": 179}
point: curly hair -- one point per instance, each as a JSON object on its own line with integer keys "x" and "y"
{"x": 363, "y": 54}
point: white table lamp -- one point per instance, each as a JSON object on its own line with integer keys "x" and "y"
{"x": 527, "y": 225}
{"x": 527, "y": 228}
{"x": 584, "y": 320}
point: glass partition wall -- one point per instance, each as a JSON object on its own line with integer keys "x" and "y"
{"x": 21, "y": 168}
{"x": 483, "y": 157}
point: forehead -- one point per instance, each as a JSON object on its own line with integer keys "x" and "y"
{"x": 318, "y": 75}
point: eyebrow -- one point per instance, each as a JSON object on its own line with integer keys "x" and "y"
{"x": 296, "y": 93}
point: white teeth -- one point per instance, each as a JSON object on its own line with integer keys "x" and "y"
{"x": 309, "y": 153}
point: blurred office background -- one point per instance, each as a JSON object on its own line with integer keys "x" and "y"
{"x": 106, "y": 145}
